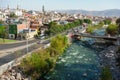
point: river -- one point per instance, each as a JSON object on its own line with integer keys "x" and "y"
{"x": 78, "y": 62}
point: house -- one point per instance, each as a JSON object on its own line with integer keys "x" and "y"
{"x": 15, "y": 29}
{"x": 43, "y": 29}
{"x": 28, "y": 33}
{"x": 21, "y": 31}
{"x": 34, "y": 25}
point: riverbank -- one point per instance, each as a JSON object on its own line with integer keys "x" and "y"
{"x": 78, "y": 62}
{"x": 17, "y": 73}
{"x": 108, "y": 58}
{"x": 39, "y": 63}
{"x": 14, "y": 74}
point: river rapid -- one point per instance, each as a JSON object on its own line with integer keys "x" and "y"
{"x": 78, "y": 62}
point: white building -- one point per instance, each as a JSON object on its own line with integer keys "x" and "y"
{"x": 18, "y": 12}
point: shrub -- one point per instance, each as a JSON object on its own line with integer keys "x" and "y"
{"x": 106, "y": 73}
{"x": 42, "y": 61}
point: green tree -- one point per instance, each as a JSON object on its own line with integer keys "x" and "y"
{"x": 12, "y": 15}
{"x": 66, "y": 27}
{"x": 51, "y": 24}
{"x": 90, "y": 29}
{"x": 118, "y": 24}
{"x": 101, "y": 23}
{"x": 3, "y": 32}
{"x": 42, "y": 61}
{"x": 58, "y": 43}
{"x": 54, "y": 28}
{"x": 118, "y": 21}
{"x": 106, "y": 73}
{"x": 76, "y": 22}
{"x": 107, "y": 21}
{"x": 87, "y": 21}
{"x": 112, "y": 29}
{"x": 1, "y": 22}
{"x": 81, "y": 22}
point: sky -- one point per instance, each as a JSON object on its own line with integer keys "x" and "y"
{"x": 62, "y": 4}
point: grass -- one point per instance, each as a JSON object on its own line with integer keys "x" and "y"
{"x": 6, "y": 41}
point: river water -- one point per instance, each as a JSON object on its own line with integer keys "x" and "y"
{"x": 79, "y": 62}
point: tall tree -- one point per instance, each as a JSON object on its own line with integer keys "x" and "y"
{"x": 3, "y": 32}
{"x": 107, "y": 21}
{"x": 112, "y": 29}
{"x": 101, "y": 23}
{"x": 118, "y": 24}
{"x": 81, "y": 22}
{"x": 12, "y": 15}
{"x": 1, "y": 22}
{"x": 118, "y": 21}
{"x": 87, "y": 21}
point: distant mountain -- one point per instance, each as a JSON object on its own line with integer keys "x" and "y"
{"x": 110, "y": 12}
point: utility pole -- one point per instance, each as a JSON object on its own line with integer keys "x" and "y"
{"x": 27, "y": 32}
{"x": 43, "y": 13}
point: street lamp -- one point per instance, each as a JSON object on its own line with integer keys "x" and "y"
{"x": 27, "y": 34}
{"x": 27, "y": 42}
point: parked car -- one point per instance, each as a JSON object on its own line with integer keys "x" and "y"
{"x": 42, "y": 37}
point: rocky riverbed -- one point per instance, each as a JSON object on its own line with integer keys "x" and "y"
{"x": 108, "y": 58}
{"x": 14, "y": 74}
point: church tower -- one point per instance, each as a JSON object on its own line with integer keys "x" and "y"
{"x": 43, "y": 13}
{"x": 43, "y": 9}
{"x": 8, "y": 7}
{"x": 17, "y": 7}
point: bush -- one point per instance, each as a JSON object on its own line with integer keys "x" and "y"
{"x": 106, "y": 73}
{"x": 42, "y": 61}
{"x": 112, "y": 29}
{"x": 92, "y": 28}
{"x": 54, "y": 28}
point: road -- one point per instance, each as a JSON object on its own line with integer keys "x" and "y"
{"x": 11, "y": 53}
{"x": 15, "y": 54}
{"x": 13, "y": 45}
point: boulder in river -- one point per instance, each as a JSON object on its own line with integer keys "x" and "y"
{"x": 85, "y": 74}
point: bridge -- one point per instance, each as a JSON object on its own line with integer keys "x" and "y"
{"x": 78, "y": 35}
{"x": 113, "y": 38}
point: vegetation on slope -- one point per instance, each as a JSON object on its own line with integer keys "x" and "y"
{"x": 112, "y": 29}
{"x": 106, "y": 73}
{"x": 41, "y": 62}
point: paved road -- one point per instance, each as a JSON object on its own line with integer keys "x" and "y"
{"x": 15, "y": 54}
{"x": 19, "y": 53}
{"x": 13, "y": 45}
